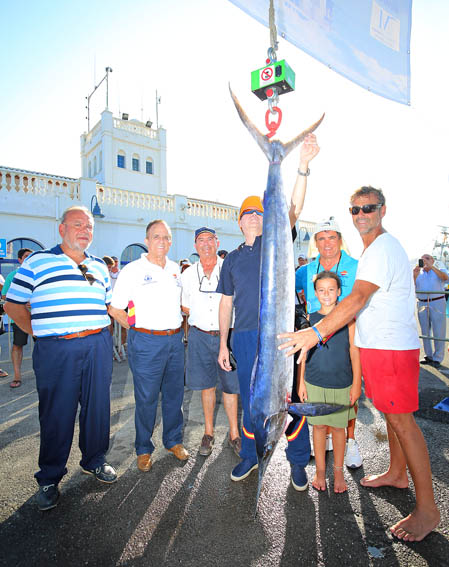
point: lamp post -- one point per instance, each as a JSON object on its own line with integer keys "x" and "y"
{"x": 95, "y": 208}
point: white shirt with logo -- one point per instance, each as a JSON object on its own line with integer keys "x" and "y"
{"x": 199, "y": 295}
{"x": 151, "y": 293}
{"x": 387, "y": 321}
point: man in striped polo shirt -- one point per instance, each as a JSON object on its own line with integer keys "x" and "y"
{"x": 68, "y": 291}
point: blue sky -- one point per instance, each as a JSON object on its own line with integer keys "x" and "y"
{"x": 54, "y": 52}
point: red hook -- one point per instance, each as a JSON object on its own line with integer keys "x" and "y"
{"x": 273, "y": 126}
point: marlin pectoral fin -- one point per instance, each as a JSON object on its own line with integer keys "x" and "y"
{"x": 289, "y": 146}
{"x": 262, "y": 140}
{"x": 314, "y": 409}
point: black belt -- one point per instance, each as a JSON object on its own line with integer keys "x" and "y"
{"x": 213, "y": 333}
{"x": 433, "y": 298}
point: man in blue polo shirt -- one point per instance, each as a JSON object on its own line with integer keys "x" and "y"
{"x": 239, "y": 284}
{"x": 68, "y": 291}
{"x": 332, "y": 258}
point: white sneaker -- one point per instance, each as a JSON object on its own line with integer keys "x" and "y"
{"x": 329, "y": 446}
{"x": 353, "y": 459}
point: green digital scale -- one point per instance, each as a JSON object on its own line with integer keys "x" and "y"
{"x": 278, "y": 74}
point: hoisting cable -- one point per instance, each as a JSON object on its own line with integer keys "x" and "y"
{"x": 272, "y": 92}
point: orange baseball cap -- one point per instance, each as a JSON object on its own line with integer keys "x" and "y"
{"x": 251, "y": 203}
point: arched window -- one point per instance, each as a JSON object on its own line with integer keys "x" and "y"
{"x": 89, "y": 170}
{"x": 95, "y": 165}
{"x": 136, "y": 162}
{"x": 132, "y": 252}
{"x": 149, "y": 166}
{"x": 100, "y": 165}
{"x": 121, "y": 162}
{"x": 10, "y": 263}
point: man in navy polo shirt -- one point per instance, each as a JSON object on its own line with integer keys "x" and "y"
{"x": 68, "y": 291}
{"x": 239, "y": 285}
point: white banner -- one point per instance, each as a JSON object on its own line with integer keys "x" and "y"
{"x": 366, "y": 41}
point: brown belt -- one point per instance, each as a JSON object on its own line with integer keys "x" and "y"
{"x": 213, "y": 333}
{"x": 150, "y": 332}
{"x": 81, "y": 334}
{"x": 434, "y": 298}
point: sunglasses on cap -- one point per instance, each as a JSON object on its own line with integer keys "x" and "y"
{"x": 355, "y": 210}
{"x": 251, "y": 211}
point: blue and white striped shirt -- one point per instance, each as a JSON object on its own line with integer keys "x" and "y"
{"x": 62, "y": 301}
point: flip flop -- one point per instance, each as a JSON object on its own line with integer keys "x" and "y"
{"x": 3, "y": 374}
{"x": 15, "y": 384}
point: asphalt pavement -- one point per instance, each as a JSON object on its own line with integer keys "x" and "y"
{"x": 192, "y": 514}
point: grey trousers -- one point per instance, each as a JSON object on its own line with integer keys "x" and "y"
{"x": 432, "y": 318}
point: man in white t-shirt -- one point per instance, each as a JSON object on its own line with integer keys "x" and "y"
{"x": 151, "y": 290}
{"x": 200, "y": 301}
{"x": 383, "y": 299}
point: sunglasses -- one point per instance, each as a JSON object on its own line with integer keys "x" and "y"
{"x": 88, "y": 277}
{"x": 355, "y": 210}
{"x": 251, "y": 211}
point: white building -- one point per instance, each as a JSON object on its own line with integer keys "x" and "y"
{"x": 124, "y": 171}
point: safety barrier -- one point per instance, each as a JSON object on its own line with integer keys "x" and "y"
{"x": 120, "y": 345}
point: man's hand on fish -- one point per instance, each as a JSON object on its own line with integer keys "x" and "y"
{"x": 309, "y": 149}
{"x": 300, "y": 340}
{"x": 223, "y": 359}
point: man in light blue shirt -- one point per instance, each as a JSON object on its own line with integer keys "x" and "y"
{"x": 431, "y": 308}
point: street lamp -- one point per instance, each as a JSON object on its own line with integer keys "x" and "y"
{"x": 95, "y": 208}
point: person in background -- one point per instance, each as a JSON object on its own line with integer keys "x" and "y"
{"x": 222, "y": 254}
{"x": 302, "y": 261}
{"x": 20, "y": 338}
{"x": 431, "y": 308}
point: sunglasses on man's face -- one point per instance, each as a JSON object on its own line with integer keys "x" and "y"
{"x": 88, "y": 277}
{"x": 258, "y": 213}
{"x": 367, "y": 209}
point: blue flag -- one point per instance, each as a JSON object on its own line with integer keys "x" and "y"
{"x": 366, "y": 41}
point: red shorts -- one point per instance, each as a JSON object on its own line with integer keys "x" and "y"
{"x": 391, "y": 379}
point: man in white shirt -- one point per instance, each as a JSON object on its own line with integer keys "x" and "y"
{"x": 431, "y": 307}
{"x": 151, "y": 290}
{"x": 200, "y": 302}
{"x": 386, "y": 333}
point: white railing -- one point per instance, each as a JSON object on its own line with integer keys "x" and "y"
{"x": 135, "y": 128}
{"x": 196, "y": 208}
{"x": 133, "y": 199}
{"x": 31, "y": 183}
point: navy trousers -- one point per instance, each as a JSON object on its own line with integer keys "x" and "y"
{"x": 157, "y": 364}
{"x": 244, "y": 347}
{"x": 70, "y": 373}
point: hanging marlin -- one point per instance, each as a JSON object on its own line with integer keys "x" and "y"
{"x": 272, "y": 376}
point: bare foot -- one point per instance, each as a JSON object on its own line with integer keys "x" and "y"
{"x": 417, "y": 525}
{"x": 385, "y": 479}
{"x": 319, "y": 481}
{"x": 339, "y": 481}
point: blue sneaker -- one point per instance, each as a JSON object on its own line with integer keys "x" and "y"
{"x": 244, "y": 469}
{"x": 299, "y": 478}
